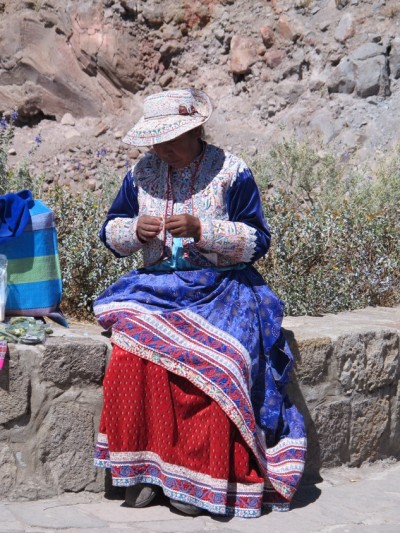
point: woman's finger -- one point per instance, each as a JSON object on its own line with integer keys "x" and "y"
{"x": 179, "y": 232}
{"x": 149, "y": 227}
{"x": 174, "y": 225}
{"x": 148, "y": 233}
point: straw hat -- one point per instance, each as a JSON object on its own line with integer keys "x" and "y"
{"x": 169, "y": 114}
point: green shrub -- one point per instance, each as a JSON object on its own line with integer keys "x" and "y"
{"x": 335, "y": 237}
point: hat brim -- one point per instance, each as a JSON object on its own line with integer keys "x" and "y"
{"x": 154, "y": 131}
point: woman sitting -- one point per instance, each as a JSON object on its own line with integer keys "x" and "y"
{"x": 194, "y": 400}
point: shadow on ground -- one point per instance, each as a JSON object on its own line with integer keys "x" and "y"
{"x": 308, "y": 493}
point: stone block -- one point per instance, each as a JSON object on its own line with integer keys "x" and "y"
{"x": 368, "y": 361}
{"x": 65, "y": 444}
{"x": 312, "y": 357}
{"x": 332, "y": 427}
{"x": 368, "y": 428}
{"x": 8, "y": 470}
{"x": 67, "y": 362}
{"x": 14, "y": 388}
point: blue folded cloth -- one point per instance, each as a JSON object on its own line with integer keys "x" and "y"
{"x": 14, "y": 214}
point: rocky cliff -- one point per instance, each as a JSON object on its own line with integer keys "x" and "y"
{"x": 77, "y": 72}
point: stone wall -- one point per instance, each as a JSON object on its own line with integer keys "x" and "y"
{"x": 50, "y": 401}
{"x": 345, "y": 384}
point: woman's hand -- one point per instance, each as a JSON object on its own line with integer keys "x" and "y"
{"x": 148, "y": 227}
{"x": 184, "y": 226}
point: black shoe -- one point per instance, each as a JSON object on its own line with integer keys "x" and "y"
{"x": 186, "y": 508}
{"x": 140, "y": 495}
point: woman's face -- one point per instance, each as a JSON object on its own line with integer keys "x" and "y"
{"x": 181, "y": 151}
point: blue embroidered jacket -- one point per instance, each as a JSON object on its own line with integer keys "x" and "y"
{"x": 223, "y": 194}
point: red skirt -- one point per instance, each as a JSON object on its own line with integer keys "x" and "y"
{"x": 157, "y": 427}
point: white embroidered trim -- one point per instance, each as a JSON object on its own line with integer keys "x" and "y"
{"x": 182, "y": 474}
{"x": 235, "y": 240}
{"x": 270, "y": 485}
{"x": 122, "y": 306}
{"x": 219, "y": 334}
{"x": 121, "y": 236}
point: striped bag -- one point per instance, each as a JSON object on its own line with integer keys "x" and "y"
{"x": 33, "y": 273}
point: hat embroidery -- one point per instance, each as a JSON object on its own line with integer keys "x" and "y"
{"x": 184, "y": 110}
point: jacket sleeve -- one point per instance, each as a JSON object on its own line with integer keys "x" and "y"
{"x": 245, "y": 237}
{"x": 118, "y": 232}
